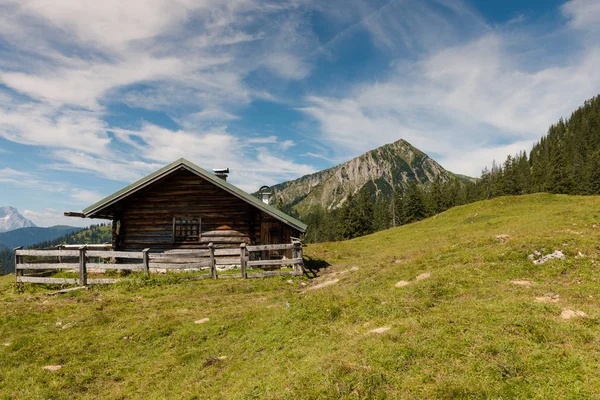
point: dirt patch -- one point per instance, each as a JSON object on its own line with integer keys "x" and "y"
{"x": 571, "y": 231}
{"x": 202, "y": 321}
{"x": 502, "y": 238}
{"x": 568, "y": 314}
{"x": 523, "y": 283}
{"x": 423, "y": 276}
{"x": 548, "y": 298}
{"x": 212, "y": 361}
{"x": 324, "y": 284}
{"x": 381, "y": 330}
{"x": 52, "y": 367}
{"x": 402, "y": 284}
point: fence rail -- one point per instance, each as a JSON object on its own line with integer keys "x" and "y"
{"x": 204, "y": 259}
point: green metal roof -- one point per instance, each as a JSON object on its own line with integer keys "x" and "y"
{"x": 161, "y": 173}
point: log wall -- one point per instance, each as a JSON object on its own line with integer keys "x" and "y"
{"x": 146, "y": 218}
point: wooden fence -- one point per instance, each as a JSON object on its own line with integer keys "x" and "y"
{"x": 85, "y": 259}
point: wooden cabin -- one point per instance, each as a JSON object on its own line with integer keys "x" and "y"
{"x": 183, "y": 206}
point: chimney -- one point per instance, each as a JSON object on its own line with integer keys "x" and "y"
{"x": 221, "y": 173}
{"x": 265, "y": 193}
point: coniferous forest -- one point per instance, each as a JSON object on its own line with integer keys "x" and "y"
{"x": 566, "y": 160}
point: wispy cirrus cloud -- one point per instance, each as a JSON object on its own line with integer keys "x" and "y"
{"x": 480, "y": 97}
{"x": 188, "y": 59}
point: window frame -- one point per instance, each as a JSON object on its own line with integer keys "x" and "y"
{"x": 176, "y": 218}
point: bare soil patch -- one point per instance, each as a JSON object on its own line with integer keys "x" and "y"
{"x": 381, "y": 330}
{"x": 569, "y": 314}
{"x": 523, "y": 283}
{"x": 323, "y": 284}
{"x": 423, "y": 276}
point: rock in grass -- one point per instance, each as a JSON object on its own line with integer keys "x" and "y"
{"x": 402, "y": 284}
{"x": 381, "y": 330}
{"x": 568, "y": 314}
{"x": 522, "y": 283}
{"x": 423, "y": 276}
{"x": 547, "y": 299}
{"x": 538, "y": 259}
{"x": 52, "y": 367}
{"x": 202, "y": 321}
{"x": 502, "y": 238}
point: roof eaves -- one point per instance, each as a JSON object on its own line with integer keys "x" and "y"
{"x": 126, "y": 191}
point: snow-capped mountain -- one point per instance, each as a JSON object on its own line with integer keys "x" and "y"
{"x": 10, "y": 219}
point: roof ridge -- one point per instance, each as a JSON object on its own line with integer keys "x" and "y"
{"x": 170, "y": 168}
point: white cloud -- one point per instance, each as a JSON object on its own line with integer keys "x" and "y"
{"x": 287, "y": 144}
{"x": 41, "y": 125}
{"x": 28, "y": 180}
{"x": 469, "y": 103}
{"x": 268, "y": 139}
{"x": 584, "y": 14}
{"x": 51, "y": 217}
{"x": 186, "y": 58}
{"x": 85, "y": 196}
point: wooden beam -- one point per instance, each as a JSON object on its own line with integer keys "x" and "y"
{"x": 74, "y": 214}
{"x": 55, "y": 253}
{"x": 17, "y": 259}
{"x": 243, "y": 260}
{"x": 35, "y": 279}
{"x": 146, "y": 262}
{"x": 47, "y": 266}
{"x": 267, "y": 247}
{"x": 213, "y": 265}
{"x": 291, "y": 261}
{"x": 82, "y": 267}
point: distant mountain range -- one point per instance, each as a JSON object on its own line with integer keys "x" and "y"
{"x": 16, "y": 230}
{"x": 28, "y": 236}
{"x": 377, "y": 171}
{"x": 10, "y": 219}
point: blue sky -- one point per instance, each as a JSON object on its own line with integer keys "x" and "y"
{"x": 94, "y": 95}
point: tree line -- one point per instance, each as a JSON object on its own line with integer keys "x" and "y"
{"x": 566, "y": 160}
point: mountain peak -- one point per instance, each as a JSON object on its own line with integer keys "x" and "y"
{"x": 10, "y": 219}
{"x": 377, "y": 171}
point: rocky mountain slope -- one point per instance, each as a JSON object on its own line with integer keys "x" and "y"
{"x": 10, "y": 219}
{"x": 378, "y": 171}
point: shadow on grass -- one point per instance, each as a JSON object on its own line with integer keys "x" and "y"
{"x": 314, "y": 265}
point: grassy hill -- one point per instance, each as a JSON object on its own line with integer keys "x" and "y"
{"x": 473, "y": 328}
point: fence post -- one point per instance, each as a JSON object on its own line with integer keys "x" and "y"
{"x": 243, "y": 260}
{"x": 213, "y": 265}
{"x": 18, "y": 260}
{"x": 59, "y": 247}
{"x": 82, "y": 267}
{"x": 297, "y": 253}
{"x": 146, "y": 261}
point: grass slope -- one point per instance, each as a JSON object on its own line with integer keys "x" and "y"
{"x": 464, "y": 332}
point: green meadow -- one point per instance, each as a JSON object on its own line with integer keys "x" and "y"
{"x": 482, "y": 321}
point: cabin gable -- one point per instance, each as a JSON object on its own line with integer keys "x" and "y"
{"x": 183, "y": 203}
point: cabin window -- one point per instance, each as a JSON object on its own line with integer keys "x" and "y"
{"x": 186, "y": 229}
